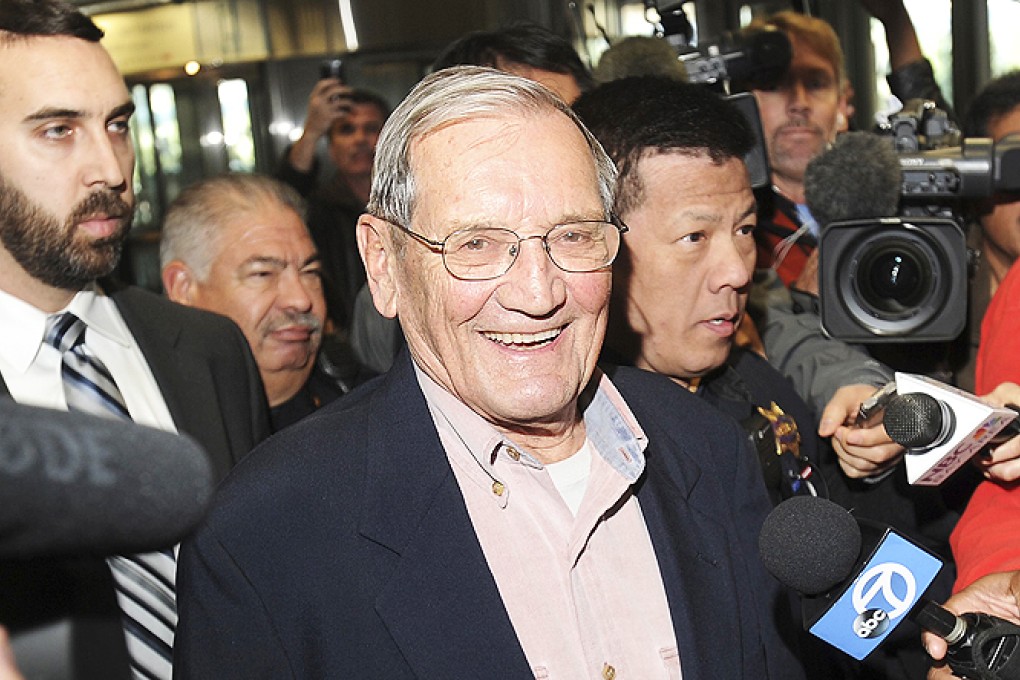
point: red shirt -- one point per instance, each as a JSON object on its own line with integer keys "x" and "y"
{"x": 985, "y": 540}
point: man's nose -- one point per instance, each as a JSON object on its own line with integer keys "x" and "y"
{"x": 104, "y": 163}
{"x": 293, "y": 291}
{"x": 534, "y": 283}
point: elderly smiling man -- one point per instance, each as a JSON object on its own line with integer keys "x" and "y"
{"x": 493, "y": 506}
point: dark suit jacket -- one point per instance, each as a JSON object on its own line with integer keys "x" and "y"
{"x": 342, "y": 547}
{"x": 210, "y": 382}
{"x": 204, "y": 369}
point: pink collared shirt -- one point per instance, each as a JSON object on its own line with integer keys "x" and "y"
{"x": 584, "y": 592}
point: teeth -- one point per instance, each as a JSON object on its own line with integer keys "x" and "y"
{"x": 528, "y": 339}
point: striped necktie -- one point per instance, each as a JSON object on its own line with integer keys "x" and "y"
{"x": 144, "y": 583}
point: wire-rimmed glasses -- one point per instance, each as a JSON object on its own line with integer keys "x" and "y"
{"x": 481, "y": 253}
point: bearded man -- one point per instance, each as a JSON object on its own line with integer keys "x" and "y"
{"x": 74, "y": 341}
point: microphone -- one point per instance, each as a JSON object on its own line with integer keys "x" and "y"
{"x": 860, "y": 580}
{"x": 751, "y": 59}
{"x": 919, "y": 421}
{"x": 942, "y": 427}
{"x": 75, "y": 485}
{"x": 857, "y": 178}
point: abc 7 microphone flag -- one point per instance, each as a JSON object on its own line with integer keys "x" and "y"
{"x": 890, "y": 584}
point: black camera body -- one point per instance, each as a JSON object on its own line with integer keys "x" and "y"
{"x": 332, "y": 68}
{"x": 895, "y": 279}
{"x": 905, "y": 279}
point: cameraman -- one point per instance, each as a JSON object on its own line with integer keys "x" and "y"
{"x": 802, "y": 115}
{"x": 994, "y": 113}
{"x": 350, "y": 119}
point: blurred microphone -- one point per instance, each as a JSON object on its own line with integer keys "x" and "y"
{"x": 857, "y": 178}
{"x": 75, "y": 485}
{"x": 861, "y": 580}
{"x": 942, "y": 427}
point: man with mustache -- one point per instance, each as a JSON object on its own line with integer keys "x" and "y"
{"x": 349, "y": 119}
{"x": 800, "y": 116}
{"x": 803, "y": 113}
{"x": 237, "y": 245}
{"x": 66, "y": 202}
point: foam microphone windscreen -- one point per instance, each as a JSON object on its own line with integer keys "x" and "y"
{"x": 809, "y": 544}
{"x": 79, "y": 485}
{"x": 859, "y": 177}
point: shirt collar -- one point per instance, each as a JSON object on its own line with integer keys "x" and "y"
{"x": 20, "y": 348}
{"x": 100, "y": 314}
{"x": 610, "y": 425}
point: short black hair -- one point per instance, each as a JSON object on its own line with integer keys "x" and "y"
{"x": 519, "y": 43}
{"x": 362, "y": 97}
{"x": 632, "y": 116}
{"x": 997, "y": 98}
{"x": 21, "y": 19}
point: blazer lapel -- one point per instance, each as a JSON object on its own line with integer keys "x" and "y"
{"x": 183, "y": 375}
{"x": 441, "y": 606}
{"x": 693, "y": 560}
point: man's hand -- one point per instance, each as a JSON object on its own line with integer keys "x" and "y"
{"x": 327, "y": 103}
{"x": 862, "y": 451}
{"x": 996, "y": 594}
{"x": 1003, "y": 463}
{"x": 8, "y": 670}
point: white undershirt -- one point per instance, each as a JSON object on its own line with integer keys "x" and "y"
{"x": 570, "y": 476}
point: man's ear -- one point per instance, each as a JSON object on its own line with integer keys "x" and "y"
{"x": 179, "y": 283}
{"x": 375, "y": 243}
{"x": 845, "y": 108}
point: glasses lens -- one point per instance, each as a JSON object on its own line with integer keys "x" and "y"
{"x": 583, "y": 246}
{"x": 477, "y": 254}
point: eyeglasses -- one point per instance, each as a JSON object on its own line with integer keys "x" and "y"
{"x": 482, "y": 253}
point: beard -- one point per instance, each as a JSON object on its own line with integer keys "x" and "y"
{"x": 792, "y": 158}
{"x": 55, "y": 253}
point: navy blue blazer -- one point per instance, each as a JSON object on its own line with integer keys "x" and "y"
{"x": 342, "y": 547}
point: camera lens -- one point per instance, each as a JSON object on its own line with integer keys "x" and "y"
{"x": 894, "y": 278}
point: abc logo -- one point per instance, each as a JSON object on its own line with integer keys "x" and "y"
{"x": 871, "y": 623}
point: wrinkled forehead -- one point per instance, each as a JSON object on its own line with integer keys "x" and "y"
{"x": 529, "y": 154}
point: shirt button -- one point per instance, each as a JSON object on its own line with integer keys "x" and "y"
{"x": 513, "y": 453}
{"x": 498, "y": 488}
{"x": 608, "y": 672}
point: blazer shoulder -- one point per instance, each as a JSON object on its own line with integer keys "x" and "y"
{"x": 150, "y": 310}
{"x": 655, "y": 398}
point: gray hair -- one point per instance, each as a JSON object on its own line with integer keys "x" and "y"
{"x": 452, "y": 96}
{"x": 194, "y": 221}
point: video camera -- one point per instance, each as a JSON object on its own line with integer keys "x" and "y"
{"x": 900, "y": 275}
{"x": 732, "y": 65}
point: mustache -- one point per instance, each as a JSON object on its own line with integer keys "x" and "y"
{"x": 105, "y": 203}
{"x": 288, "y": 319}
{"x": 799, "y": 123}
